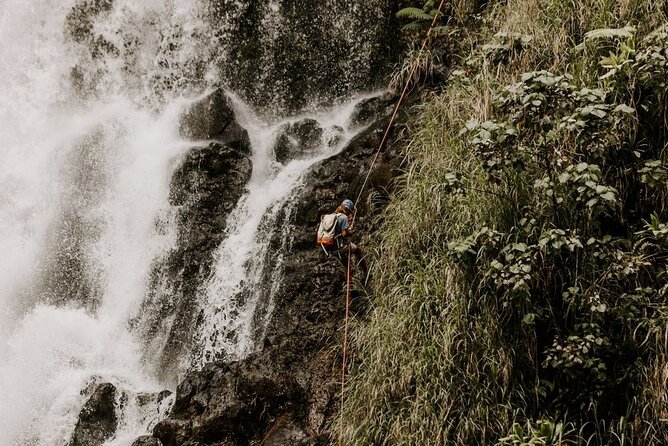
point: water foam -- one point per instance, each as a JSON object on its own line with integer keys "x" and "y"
{"x": 90, "y": 173}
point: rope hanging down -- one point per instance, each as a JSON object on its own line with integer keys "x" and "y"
{"x": 359, "y": 196}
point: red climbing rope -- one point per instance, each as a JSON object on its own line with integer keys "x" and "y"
{"x": 375, "y": 159}
{"x": 345, "y": 340}
{"x": 401, "y": 98}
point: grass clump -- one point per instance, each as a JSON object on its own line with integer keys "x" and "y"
{"x": 523, "y": 268}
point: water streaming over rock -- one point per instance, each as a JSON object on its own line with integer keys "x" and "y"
{"x": 238, "y": 297}
{"x": 92, "y": 97}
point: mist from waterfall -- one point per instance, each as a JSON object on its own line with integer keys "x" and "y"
{"x": 91, "y": 98}
{"x": 83, "y": 213}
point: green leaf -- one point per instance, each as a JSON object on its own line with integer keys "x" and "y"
{"x": 609, "y": 33}
{"x": 598, "y": 113}
{"x": 610, "y": 196}
{"x": 591, "y": 202}
{"x": 623, "y": 108}
{"x": 416, "y": 25}
{"x": 529, "y": 319}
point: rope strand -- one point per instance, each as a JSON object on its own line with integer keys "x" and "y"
{"x": 359, "y": 196}
{"x": 400, "y": 101}
{"x": 345, "y": 341}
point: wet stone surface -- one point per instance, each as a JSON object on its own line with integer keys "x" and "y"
{"x": 97, "y": 420}
{"x": 204, "y": 189}
{"x": 286, "y": 393}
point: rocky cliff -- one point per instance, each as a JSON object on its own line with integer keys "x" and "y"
{"x": 286, "y": 393}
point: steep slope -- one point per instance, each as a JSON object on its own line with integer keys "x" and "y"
{"x": 286, "y": 393}
{"x": 521, "y": 292}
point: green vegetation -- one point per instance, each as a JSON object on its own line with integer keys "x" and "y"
{"x": 522, "y": 280}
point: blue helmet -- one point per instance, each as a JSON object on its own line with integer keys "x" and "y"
{"x": 348, "y": 204}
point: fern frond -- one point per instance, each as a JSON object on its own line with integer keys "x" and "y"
{"x": 417, "y": 25}
{"x": 413, "y": 14}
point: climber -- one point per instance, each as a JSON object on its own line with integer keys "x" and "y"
{"x": 335, "y": 231}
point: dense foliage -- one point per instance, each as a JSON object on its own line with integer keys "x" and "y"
{"x": 523, "y": 275}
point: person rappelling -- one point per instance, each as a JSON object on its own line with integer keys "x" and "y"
{"x": 335, "y": 231}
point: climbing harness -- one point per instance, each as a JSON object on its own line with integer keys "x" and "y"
{"x": 359, "y": 196}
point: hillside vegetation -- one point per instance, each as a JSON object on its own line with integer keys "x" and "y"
{"x": 521, "y": 273}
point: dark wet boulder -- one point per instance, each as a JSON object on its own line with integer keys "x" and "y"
{"x": 146, "y": 440}
{"x": 283, "y": 56}
{"x": 298, "y": 140}
{"x": 212, "y": 117}
{"x": 204, "y": 189}
{"x": 229, "y": 402}
{"x": 97, "y": 420}
{"x": 213, "y": 177}
{"x": 372, "y": 109}
{"x": 153, "y": 398}
{"x": 284, "y": 432}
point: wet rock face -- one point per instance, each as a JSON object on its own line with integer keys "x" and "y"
{"x": 303, "y": 139}
{"x": 212, "y": 117}
{"x": 97, "y": 419}
{"x": 205, "y": 187}
{"x": 298, "y": 140}
{"x": 372, "y": 109}
{"x": 287, "y": 393}
{"x": 284, "y": 55}
{"x": 222, "y": 401}
{"x": 146, "y": 440}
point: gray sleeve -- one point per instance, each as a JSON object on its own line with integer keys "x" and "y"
{"x": 343, "y": 222}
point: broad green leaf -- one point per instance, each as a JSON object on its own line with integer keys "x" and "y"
{"x": 625, "y": 109}
{"x": 607, "y": 33}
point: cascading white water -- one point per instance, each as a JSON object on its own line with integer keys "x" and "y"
{"x": 232, "y": 295}
{"x": 84, "y": 182}
{"x": 91, "y": 97}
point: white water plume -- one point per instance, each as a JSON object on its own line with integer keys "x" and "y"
{"x": 84, "y": 211}
{"x": 53, "y": 350}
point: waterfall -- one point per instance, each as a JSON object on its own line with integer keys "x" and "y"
{"x": 83, "y": 212}
{"x": 92, "y": 95}
{"x": 238, "y": 298}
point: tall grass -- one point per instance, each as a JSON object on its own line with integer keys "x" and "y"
{"x": 426, "y": 334}
{"x": 437, "y": 361}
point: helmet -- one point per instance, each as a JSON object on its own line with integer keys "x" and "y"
{"x": 348, "y": 204}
